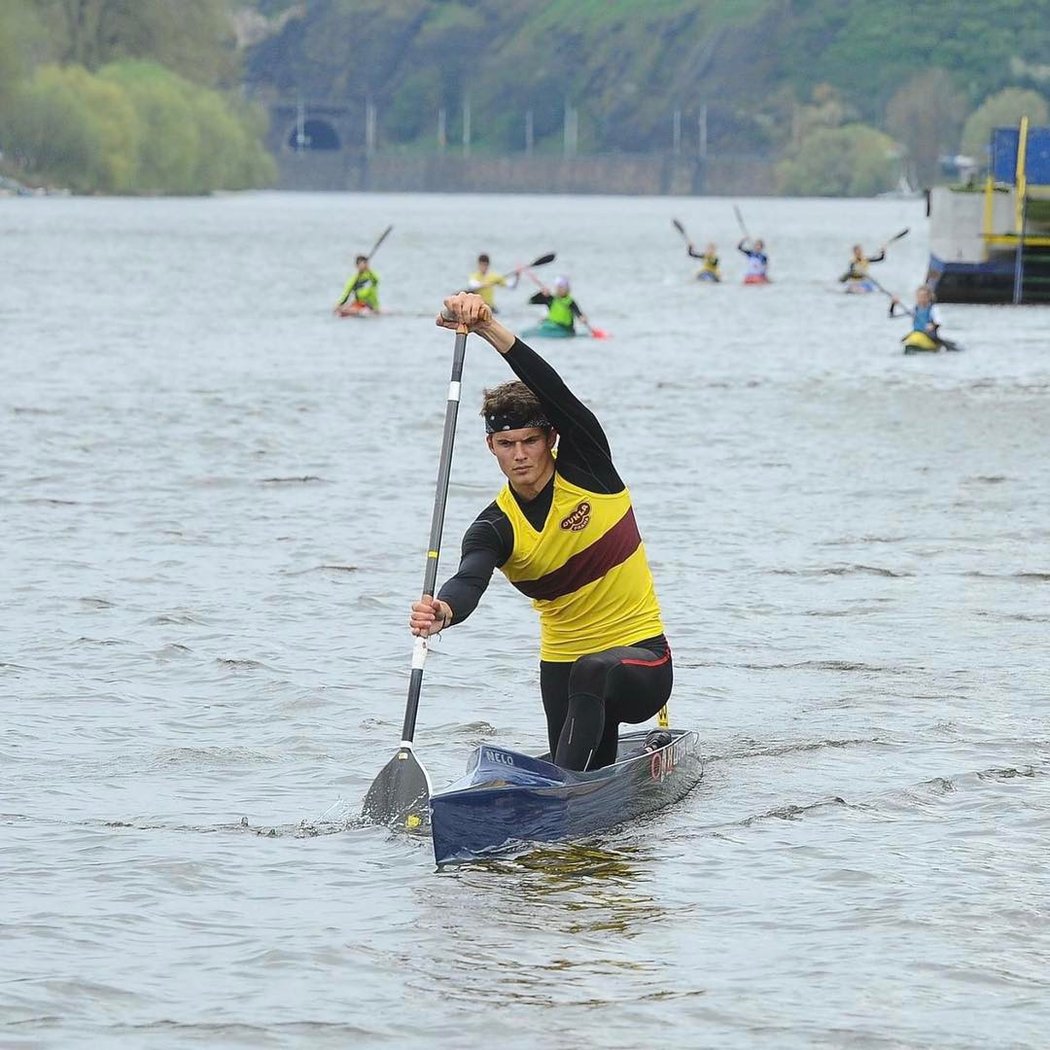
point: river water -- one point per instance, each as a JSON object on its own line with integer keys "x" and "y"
{"x": 215, "y": 507}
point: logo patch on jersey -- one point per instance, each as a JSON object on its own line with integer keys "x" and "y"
{"x": 578, "y": 520}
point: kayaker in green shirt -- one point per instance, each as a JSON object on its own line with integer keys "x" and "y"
{"x": 361, "y": 291}
{"x": 562, "y": 308}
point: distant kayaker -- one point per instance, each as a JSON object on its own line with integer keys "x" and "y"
{"x": 562, "y": 308}
{"x": 362, "y": 290}
{"x": 859, "y": 263}
{"x": 757, "y": 271}
{"x": 709, "y": 270}
{"x": 925, "y": 317}
{"x": 485, "y": 282}
{"x": 563, "y": 532}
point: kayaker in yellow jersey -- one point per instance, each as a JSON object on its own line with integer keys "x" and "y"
{"x": 859, "y": 263}
{"x": 362, "y": 290}
{"x": 709, "y": 270}
{"x": 485, "y": 282}
{"x": 563, "y": 532}
{"x": 562, "y": 308}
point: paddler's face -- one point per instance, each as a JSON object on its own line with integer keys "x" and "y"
{"x": 524, "y": 455}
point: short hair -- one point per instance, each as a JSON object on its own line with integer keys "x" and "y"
{"x": 512, "y": 398}
{"x": 361, "y": 258}
{"x": 483, "y": 258}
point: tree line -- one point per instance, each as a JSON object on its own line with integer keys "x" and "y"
{"x": 844, "y": 99}
{"x": 126, "y": 96}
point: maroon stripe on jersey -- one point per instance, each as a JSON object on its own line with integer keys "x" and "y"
{"x": 614, "y": 548}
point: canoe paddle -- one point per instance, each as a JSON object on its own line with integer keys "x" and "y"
{"x": 948, "y": 344}
{"x": 596, "y": 333}
{"x": 400, "y": 795}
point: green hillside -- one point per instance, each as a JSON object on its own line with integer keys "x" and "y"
{"x": 769, "y": 72}
{"x": 148, "y": 95}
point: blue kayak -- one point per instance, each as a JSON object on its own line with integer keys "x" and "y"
{"x": 858, "y": 286}
{"x": 548, "y": 330}
{"x": 507, "y": 799}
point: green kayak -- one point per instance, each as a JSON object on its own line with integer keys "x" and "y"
{"x": 548, "y": 330}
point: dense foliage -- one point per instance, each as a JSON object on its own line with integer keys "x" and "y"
{"x": 136, "y": 95}
{"x": 119, "y": 96}
{"x": 766, "y": 73}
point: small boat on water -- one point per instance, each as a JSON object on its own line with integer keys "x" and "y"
{"x": 921, "y": 343}
{"x": 548, "y": 330}
{"x": 756, "y": 278}
{"x": 507, "y": 799}
{"x": 858, "y": 286}
{"x": 356, "y": 309}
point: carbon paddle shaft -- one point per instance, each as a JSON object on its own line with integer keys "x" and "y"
{"x": 437, "y": 525}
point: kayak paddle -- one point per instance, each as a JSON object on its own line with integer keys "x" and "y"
{"x": 948, "y": 344}
{"x": 382, "y": 237}
{"x": 898, "y": 236}
{"x": 681, "y": 229}
{"x": 541, "y": 261}
{"x": 740, "y": 222}
{"x": 400, "y": 795}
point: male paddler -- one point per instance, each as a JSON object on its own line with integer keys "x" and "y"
{"x": 485, "y": 282}
{"x": 361, "y": 293}
{"x": 563, "y": 532}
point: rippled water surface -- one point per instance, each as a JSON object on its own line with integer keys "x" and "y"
{"x": 215, "y": 504}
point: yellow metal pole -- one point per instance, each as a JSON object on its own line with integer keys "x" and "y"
{"x": 1020, "y": 209}
{"x": 1020, "y": 181}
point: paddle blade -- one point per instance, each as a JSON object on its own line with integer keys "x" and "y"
{"x": 543, "y": 260}
{"x": 599, "y": 333}
{"x": 399, "y": 797}
{"x": 679, "y": 227}
{"x": 898, "y": 236}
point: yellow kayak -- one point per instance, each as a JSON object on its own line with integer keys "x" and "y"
{"x": 919, "y": 343}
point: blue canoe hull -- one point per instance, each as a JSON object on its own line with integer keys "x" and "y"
{"x": 507, "y": 799}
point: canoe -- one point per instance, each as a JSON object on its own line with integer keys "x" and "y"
{"x": 507, "y": 800}
{"x": 756, "y": 278}
{"x": 708, "y": 277}
{"x": 920, "y": 343}
{"x": 548, "y": 330}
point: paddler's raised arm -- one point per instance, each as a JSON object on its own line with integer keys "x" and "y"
{"x": 574, "y": 421}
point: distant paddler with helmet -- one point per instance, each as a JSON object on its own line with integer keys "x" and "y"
{"x": 562, "y": 310}
{"x": 563, "y": 532}
{"x": 484, "y": 281}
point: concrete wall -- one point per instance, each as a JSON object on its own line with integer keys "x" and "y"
{"x": 641, "y": 173}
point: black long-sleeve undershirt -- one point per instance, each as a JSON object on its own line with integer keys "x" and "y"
{"x": 545, "y": 299}
{"x": 583, "y": 459}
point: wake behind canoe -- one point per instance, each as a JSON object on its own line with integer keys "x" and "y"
{"x": 507, "y": 799}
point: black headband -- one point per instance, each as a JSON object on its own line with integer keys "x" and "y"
{"x": 499, "y": 421}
